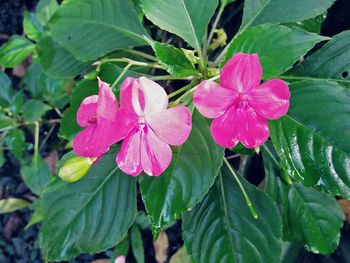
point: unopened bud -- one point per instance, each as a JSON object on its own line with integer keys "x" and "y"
{"x": 75, "y": 168}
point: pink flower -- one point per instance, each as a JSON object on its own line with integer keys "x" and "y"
{"x": 98, "y": 114}
{"x": 149, "y": 127}
{"x": 240, "y": 106}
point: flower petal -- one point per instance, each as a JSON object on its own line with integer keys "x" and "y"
{"x": 271, "y": 99}
{"x": 107, "y": 104}
{"x": 223, "y": 128}
{"x": 87, "y": 110}
{"x": 126, "y": 122}
{"x": 95, "y": 140}
{"x": 128, "y": 158}
{"x": 143, "y": 95}
{"x": 172, "y": 125}
{"x": 241, "y": 73}
{"x": 212, "y": 100}
{"x": 155, "y": 154}
{"x": 252, "y": 129}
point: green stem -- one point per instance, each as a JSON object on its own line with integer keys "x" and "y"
{"x": 249, "y": 203}
{"x": 36, "y": 142}
{"x": 129, "y": 61}
{"x": 169, "y": 77}
{"x": 121, "y": 75}
{"x": 141, "y": 54}
{"x": 215, "y": 24}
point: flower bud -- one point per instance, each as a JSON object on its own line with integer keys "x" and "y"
{"x": 75, "y": 168}
{"x": 91, "y": 75}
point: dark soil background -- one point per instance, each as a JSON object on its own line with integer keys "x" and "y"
{"x": 19, "y": 245}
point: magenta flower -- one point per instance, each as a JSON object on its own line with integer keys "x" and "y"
{"x": 98, "y": 114}
{"x": 240, "y": 106}
{"x": 149, "y": 127}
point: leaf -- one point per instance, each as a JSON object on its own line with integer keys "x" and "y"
{"x": 88, "y": 216}
{"x": 174, "y": 60}
{"x": 226, "y": 2}
{"x": 137, "y": 244}
{"x": 56, "y": 61}
{"x": 331, "y": 62}
{"x": 191, "y": 173}
{"x": 186, "y": 18}
{"x": 274, "y": 11}
{"x": 6, "y": 91}
{"x": 32, "y": 27}
{"x": 122, "y": 248}
{"x": 312, "y": 25}
{"x": 15, "y": 141}
{"x": 312, "y": 144}
{"x": 103, "y": 25}
{"x": 180, "y": 256}
{"x": 12, "y": 204}
{"x": 33, "y": 110}
{"x": 13, "y": 52}
{"x": 278, "y": 47}
{"x": 45, "y": 9}
{"x": 2, "y": 157}
{"x": 222, "y": 229}
{"x": 306, "y": 220}
{"x": 36, "y": 174}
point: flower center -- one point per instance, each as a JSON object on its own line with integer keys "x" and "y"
{"x": 141, "y": 120}
{"x": 92, "y": 120}
{"x": 242, "y": 96}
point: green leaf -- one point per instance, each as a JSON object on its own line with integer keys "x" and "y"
{"x": 306, "y": 220}
{"x": 45, "y": 9}
{"x": 13, "y": 52}
{"x": 312, "y": 25}
{"x": 17, "y": 102}
{"x": 88, "y": 216}
{"x": 121, "y": 249}
{"x": 33, "y": 110}
{"x": 36, "y": 174}
{"x": 2, "y": 157}
{"x": 222, "y": 229}
{"x": 6, "y": 91}
{"x": 278, "y": 47}
{"x": 15, "y": 141}
{"x": 226, "y": 2}
{"x": 137, "y": 244}
{"x": 331, "y": 62}
{"x": 281, "y": 11}
{"x": 186, "y": 18}
{"x": 103, "y": 26}
{"x": 56, "y": 61}
{"x": 32, "y": 27}
{"x": 174, "y": 60}
{"x": 312, "y": 140}
{"x": 191, "y": 173}
{"x": 12, "y": 204}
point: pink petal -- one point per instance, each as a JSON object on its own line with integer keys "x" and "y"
{"x": 212, "y": 100}
{"x": 126, "y": 122}
{"x": 95, "y": 140}
{"x": 271, "y": 99}
{"x": 241, "y": 73}
{"x": 172, "y": 125}
{"x": 155, "y": 154}
{"x": 143, "y": 96}
{"x": 107, "y": 105}
{"x": 223, "y": 128}
{"x": 252, "y": 129}
{"x": 128, "y": 158}
{"x": 87, "y": 110}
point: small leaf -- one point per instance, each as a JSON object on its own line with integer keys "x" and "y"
{"x": 137, "y": 244}
{"x": 12, "y": 204}
{"x": 32, "y": 27}
{"x": 6, "y": 91}
{"x": 226, "y": 2}
{"x": 122, "y": 248}
{"x": 278, "y": 47}
{"x": 13, "y": 52}
{"x": 174, "y": 60}
{"x": 33, "y": 110}
{"x": 222, "y": 229}
{"x": 17, "y": 102}
{"x": 75, "y": 168}
{"x": 15, "y": 141}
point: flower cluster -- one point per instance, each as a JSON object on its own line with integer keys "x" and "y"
{"x": 239, "y": 105}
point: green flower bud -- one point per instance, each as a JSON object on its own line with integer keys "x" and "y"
{"x": 75, "y": 168}
{"x": 91, "y": 75}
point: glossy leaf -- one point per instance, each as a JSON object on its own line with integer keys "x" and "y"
{"x": 191, "y": 173}
{"x": 222, "y": 229}
{"x": 33, "y": 110}
{"x": 88, "y": 216}
{"x": 174, "y": 60}
{"x": 331, "y": 62}
{"x": 15, "y": 141}
{"x": 32, "y": 27}
{"x": 274, "y": 11}
{"x": 45, "y": 9}
{"x": 6, "y": 91}
{"x": 12, "y": 204}
{"x": 186, "y": 18}
{"x": 310, "y": 217}
{"x": 13, "y": 52}
{"x": 278, "y": 47}
{"x": 56, "y": 61}
{"x": 36, "y": 174}
{"x": 311, "y": 142}
{"x": 104, "y": 25}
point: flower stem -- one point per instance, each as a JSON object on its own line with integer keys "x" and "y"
{"x": 249, "y": 203}
{"x": 215, "y": 24}
{"x": 121, "y": 75}
{"x": 169, "y": 77}
{"x": 36, "y": 142}
{"x": 141, "y": 54}
{"x": 177, "y": 92}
